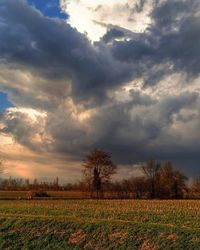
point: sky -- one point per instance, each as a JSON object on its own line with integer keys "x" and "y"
{"x": 5, "y": 103}
{"x": 121, "y": 75}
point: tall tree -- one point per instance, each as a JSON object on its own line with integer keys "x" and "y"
{"x": 98, "y": 169}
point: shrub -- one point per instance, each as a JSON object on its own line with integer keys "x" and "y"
{"x": 37, "y": 194}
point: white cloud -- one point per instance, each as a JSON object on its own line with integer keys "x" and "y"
{"x": 93, "y": 17}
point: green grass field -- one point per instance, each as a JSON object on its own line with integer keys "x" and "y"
{"x": 104, "y": 224}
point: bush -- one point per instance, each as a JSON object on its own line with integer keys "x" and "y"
{"x": 36, "y": 194}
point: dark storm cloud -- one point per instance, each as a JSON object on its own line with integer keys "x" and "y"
{"x": 177, "y": 31}
{"x": 112, "y": 34}
{"x": 135, "y": 126}
{"x": 29, "y": 38}
{"x": 182, "y": 48}
{"x": 136, "y": 130}
{"x": 52, "y": 49}
{"x": 132, "y": 51}
{"x": 172, "y": 40}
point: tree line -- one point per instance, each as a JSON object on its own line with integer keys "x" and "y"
{"x": 161, "y": 181}
{"x": 157, "y": 181}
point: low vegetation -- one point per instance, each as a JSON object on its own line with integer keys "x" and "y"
{"x": 100, "y": 224}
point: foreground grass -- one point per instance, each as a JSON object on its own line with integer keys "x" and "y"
{"x": 106, "y": 224}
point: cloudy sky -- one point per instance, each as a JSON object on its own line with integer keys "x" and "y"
{"x": 122, "y": 75}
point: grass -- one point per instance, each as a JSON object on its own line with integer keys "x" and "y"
{"x": 104, "y": 224}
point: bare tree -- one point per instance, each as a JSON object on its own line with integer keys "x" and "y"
{"x": 98, "y": 169}
{"x": 171, "y": 182}
{"x": 138, "y": 187}
{"x": 151, "y": 170}
{"x": 194, "y": 187}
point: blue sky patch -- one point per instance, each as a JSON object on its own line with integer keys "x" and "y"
{"x": 4, "y": 102}
{"x": 48, "y": 8}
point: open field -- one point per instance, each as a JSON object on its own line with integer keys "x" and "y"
{"x": 53, "y": 195}
{"x": 104, "y": 224}
{"x": 13, "y": 195}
